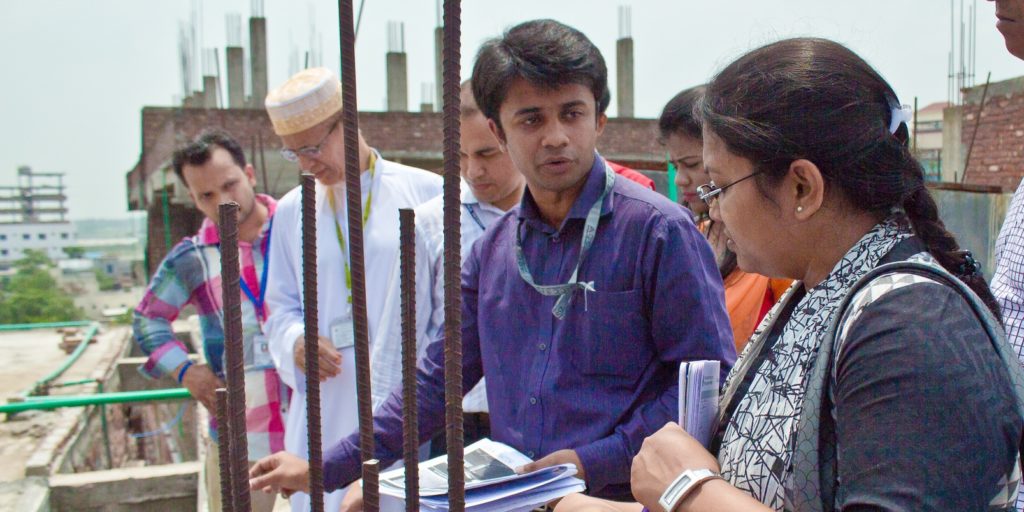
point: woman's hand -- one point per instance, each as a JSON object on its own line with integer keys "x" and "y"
{"x": 662, "y": 458}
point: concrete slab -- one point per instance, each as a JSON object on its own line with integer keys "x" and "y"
{"x": 153, "y": 488}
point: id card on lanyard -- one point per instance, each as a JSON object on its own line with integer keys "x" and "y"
{"x": 260, "y": 345}
{"x": 341, "y": 329}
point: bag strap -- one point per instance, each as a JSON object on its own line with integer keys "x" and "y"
{"x": 814, "y": 481}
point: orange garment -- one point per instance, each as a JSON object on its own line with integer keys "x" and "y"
{"x": 747, "y": 298}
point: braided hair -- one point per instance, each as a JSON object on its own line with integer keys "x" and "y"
{"x": 814, "y": 99}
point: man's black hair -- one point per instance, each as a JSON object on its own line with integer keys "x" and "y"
{"x": 545, "y": 53}
{"x": 199, "y": 151}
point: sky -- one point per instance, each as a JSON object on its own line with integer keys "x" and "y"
{"x": 77, "y": 73}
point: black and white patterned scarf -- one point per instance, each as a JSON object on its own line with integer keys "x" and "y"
{"x": 755, "y": 450}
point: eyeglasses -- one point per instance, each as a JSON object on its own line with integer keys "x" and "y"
{"x": 709, "y": 192}
{"x": 292, "y": 155}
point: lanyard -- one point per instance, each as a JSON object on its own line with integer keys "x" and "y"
{"x": 261, "y": 313}
{"x": 476, "y": 218}
{"x": 337, "y": 226}
{"x": 565, "y": 291}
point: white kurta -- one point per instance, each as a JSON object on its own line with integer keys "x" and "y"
{"x": 430, "y": 272}
{"x": 394, "y": 186}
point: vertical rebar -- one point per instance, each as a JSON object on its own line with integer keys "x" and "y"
{"x": 353, "y": 188}
{"x": 452, "y": 258}
{"x": 410, "y": 422}
{"x": 234, "y": 357}
{"x": 223, "y": 452}
{"x": 312, "y": 341}
{"x": 263, "y": 168}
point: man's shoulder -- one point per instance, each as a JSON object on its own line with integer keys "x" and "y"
{"x": 407, "y": 172}
{"x": 290, "y": 202}
{"x": 633, "y": 199}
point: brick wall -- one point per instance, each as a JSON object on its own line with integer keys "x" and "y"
{"x": 409, "y": 137}
{"x": 997, "y": 157}
{"x": 404, "y": 136}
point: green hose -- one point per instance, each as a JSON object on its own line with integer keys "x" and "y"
{"x": 41, "y": 384}
{"x": 42, "y": 403}
{"x": 47, "y": 325}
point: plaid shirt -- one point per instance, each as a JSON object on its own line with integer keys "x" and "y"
{"x": 190, "y": 275}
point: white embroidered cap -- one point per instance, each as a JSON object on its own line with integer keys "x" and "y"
{"x": 308, "y": 98}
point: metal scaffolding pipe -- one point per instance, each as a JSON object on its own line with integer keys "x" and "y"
{"x": 310, "y": 318}
{"x": 410, "y": 421}
{"x": 234, "y": 355}
{"x": 452, "y": 258}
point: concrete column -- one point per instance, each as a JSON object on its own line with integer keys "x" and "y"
{"x": 210, "y": 92}
{"x": 236, "y": 77}
{"x": 258, "y": 56}
{"x": 398, "y": 83}
{"x": 438, "y": 69}
{"x": 624, "y": 78}
{"x": 953, "y": 151}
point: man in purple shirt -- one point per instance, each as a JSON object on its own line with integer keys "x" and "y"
{"x": 581, "y": 351}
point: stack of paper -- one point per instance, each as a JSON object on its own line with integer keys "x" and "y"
{"x": 492, "y": 484}
{"x": 698, "y": 399}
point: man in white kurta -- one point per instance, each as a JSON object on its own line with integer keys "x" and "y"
{"x": 489, "y": 173}
{"x": 305, "y": 112}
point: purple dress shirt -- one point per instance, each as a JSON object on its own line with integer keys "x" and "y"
{"x": 598, "y": 381}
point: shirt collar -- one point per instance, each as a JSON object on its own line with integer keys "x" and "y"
{"x": 208, "y": 234}
{"x": 466, "y": 197}
{"x": 591, "y": 191}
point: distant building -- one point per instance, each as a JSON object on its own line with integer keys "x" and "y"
{"x": 927, "y": 139}
{"x": 33, "y": 215}
{"x": 986, "y": 140}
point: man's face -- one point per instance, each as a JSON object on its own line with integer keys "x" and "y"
{"x": 327, "y": 164}
{"x": 550, "y": 134}
{"x": 1010, "y": 16}
{"x": 221, "y": 180}
{"x": 489, "y": 171}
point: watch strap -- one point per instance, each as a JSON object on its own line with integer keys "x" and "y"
{"x": 684, "y": 484}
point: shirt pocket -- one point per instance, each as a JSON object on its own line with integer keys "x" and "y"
{"x": 613, "y": 337}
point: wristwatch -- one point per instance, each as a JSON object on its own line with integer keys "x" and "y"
{"x": 683, "y": 485}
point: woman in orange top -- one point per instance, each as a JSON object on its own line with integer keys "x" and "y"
{"x": 748, "y": 297}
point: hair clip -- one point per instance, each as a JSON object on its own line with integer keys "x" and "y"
{"x": 969, "y": 266}
{"x": 900, "y": 114}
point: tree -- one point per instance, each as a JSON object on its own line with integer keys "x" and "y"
{"x": 75, "y": 252}
{"x": 31, "y": 295}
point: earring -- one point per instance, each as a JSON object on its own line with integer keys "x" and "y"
{"x": 799, "y": 209}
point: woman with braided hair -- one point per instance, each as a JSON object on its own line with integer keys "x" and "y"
{"x": 748, "y": 296}
{"x": 882, "y": 381}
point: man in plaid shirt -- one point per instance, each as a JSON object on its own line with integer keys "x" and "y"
{"x": 214, "y": 171}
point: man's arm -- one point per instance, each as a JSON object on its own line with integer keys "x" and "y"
{"x": 342, "y": 461}
{"x": 163, "y": 301}
{"x": 1008, "y": 281}
{"x": 168, "y": 292}
{"x": 386, "y": 348}
{"x": 686, "y": 303}
{"x": 284, "y": 298}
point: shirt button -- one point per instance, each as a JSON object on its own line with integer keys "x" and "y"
{"x": 529, "y": 454}
{"x": 533, "y": 400}
{"x": 542, "y": 346}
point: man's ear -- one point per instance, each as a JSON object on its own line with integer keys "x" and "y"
{"x": 250, "y": 173}
{"x": 602, "y": 120}
{"x": 806, "y": 188}
{"x": 498, "y": 133}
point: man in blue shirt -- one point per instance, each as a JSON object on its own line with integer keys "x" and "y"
{"x": 580, "y": 305}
